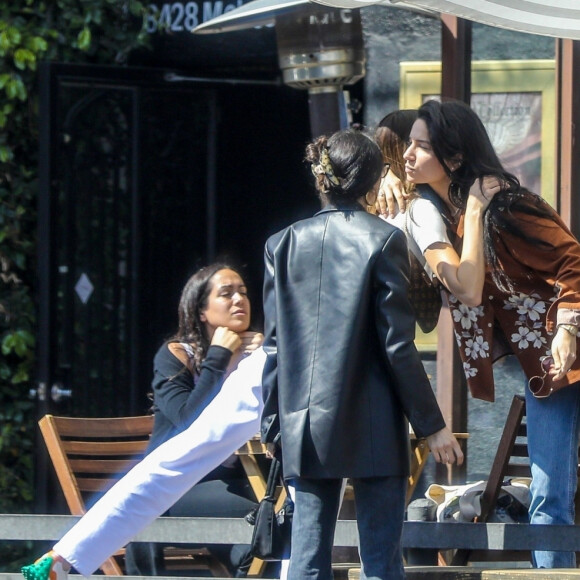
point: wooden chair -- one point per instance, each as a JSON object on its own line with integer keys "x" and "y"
{"x": 90, "y": 455}
{"x": 511, "y": 460}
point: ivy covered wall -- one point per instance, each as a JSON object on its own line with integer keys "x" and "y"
{"x": 91, "y": 31}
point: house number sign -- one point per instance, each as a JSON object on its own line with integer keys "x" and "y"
{"x": 184, "y": 16}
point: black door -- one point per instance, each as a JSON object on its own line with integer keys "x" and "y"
{"x": 125, "y": 179}
{"x": 142, "y": 180}
{"x": 125, "y": 190}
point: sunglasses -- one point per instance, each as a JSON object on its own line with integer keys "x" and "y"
{"x": 536, "y": 384}
{"x": 386, "y": 168}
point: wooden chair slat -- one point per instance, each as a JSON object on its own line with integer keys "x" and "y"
{"x": 104, "y": 466}
{"x": 95, "y": 485}
{"x": 520, "y": 450}
{"x": 514, "y": 470}
{"x": 105, "y": 427}
{"x": 103, "y": 448}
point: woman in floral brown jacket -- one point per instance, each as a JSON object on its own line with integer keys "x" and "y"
{"x": 511, "y": 271}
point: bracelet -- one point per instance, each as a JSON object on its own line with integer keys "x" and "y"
{"x": 573, "y": 330}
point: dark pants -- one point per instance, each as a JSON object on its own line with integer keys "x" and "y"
{"x": 380, "y": 507}
{"x": 230, "y": 498}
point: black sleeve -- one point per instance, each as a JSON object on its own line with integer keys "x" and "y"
{"x": 270, "y": 426}
{"x": 176, "y": 395}
{"x": 395, "y": 321}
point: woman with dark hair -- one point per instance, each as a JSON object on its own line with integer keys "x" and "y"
{"x": 207, "y": 403}
{"x": 212, "y": 337}
{"x": 392, "y": 134}
{"x": 420, "y": 208}
{"x": 342, "y": 374}
{"x": 519, "y": 295}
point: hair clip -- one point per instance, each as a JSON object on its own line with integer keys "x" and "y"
{"x": 325, "y": 167}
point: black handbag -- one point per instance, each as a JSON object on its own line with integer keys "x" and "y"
{"x": 271, "y": 538}
{"x": 424, "y": 293}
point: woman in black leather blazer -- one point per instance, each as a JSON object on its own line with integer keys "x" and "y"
{"x": 342, "y": 374}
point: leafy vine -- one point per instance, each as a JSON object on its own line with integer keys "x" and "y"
{"x": 91, "y": 31}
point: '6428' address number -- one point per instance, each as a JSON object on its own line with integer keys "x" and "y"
{"x": 184, "y": 16}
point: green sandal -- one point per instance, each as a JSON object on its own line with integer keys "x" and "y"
{"x": 47, "y": 567}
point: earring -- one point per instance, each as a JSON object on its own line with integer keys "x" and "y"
{"x": 370, "y": 206}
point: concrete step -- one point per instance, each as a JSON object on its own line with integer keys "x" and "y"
{"x": 431, "y": 572}
{"x": 477, "y": 573}
{"x": 560, "y": 574}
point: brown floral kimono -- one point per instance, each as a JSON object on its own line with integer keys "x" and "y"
{"x": 547, "y": 292}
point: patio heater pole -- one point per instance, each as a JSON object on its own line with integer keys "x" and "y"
{"x": 328, "y": 110}
{"x": 321, "y": 50}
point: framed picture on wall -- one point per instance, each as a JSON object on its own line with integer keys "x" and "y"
{"x": 516, "y": 101}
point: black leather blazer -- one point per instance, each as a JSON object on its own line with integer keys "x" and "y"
{"x": 342, "y": 371}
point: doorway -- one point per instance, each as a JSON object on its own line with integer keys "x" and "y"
{"x": 143, "y": 180}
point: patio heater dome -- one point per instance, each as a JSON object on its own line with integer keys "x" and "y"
{"x": 320, "y": 49}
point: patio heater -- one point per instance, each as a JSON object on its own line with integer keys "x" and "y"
{"x": 320, "y": 50}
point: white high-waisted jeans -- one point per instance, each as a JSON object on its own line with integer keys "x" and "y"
{"x": 164, "y": 475}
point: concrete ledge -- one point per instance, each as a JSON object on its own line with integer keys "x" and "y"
{"x": 412, "y": 572}
{"x": 166, "y": 530}
{"x": 432, "y": 573}
{"x": 15, "y": 576}
{"x": 490, "y": 536}
{"x": 560, "y": 574}
{"x": 419, "y": 535}
{"x": 474, "y": 573}
{"x": 442, "y": 573}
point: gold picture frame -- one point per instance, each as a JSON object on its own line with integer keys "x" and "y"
{"x": 516, "y": 100}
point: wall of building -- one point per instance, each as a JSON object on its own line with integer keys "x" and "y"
{"x": 393, "y": 35}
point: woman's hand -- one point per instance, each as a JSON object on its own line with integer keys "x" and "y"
{"x": 444, "y": 447}
{"x": 481, "y": 194}
{"x": 247, "y": 342}
{"x": 227, "y": 338}
{"x": 563, "y": 353}
{"x": 251, "y": 341}
{"x": 392, "y": 196}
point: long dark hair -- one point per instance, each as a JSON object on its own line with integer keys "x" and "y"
{"x": 392, "y": 134}
{"x": 193, "y": 302}
{"x": 355, "y": 164}
{"x": 457, "y": 135}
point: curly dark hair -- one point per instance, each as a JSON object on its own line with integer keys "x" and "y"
{"x": 356, "y": 162}
{"x": 193, "y": 302}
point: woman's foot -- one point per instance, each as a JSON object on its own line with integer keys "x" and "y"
{"x": 48, "y": 567}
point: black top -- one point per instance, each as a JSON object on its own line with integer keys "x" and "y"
{"x": 178, "y": 398}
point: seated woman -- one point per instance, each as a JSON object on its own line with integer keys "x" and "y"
{"x": 188, "y": 371}
{"x": 207, "y": 395}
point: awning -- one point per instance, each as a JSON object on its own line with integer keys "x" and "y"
{"x": 263, "y": 13}
{"x": 557, "y": 18}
